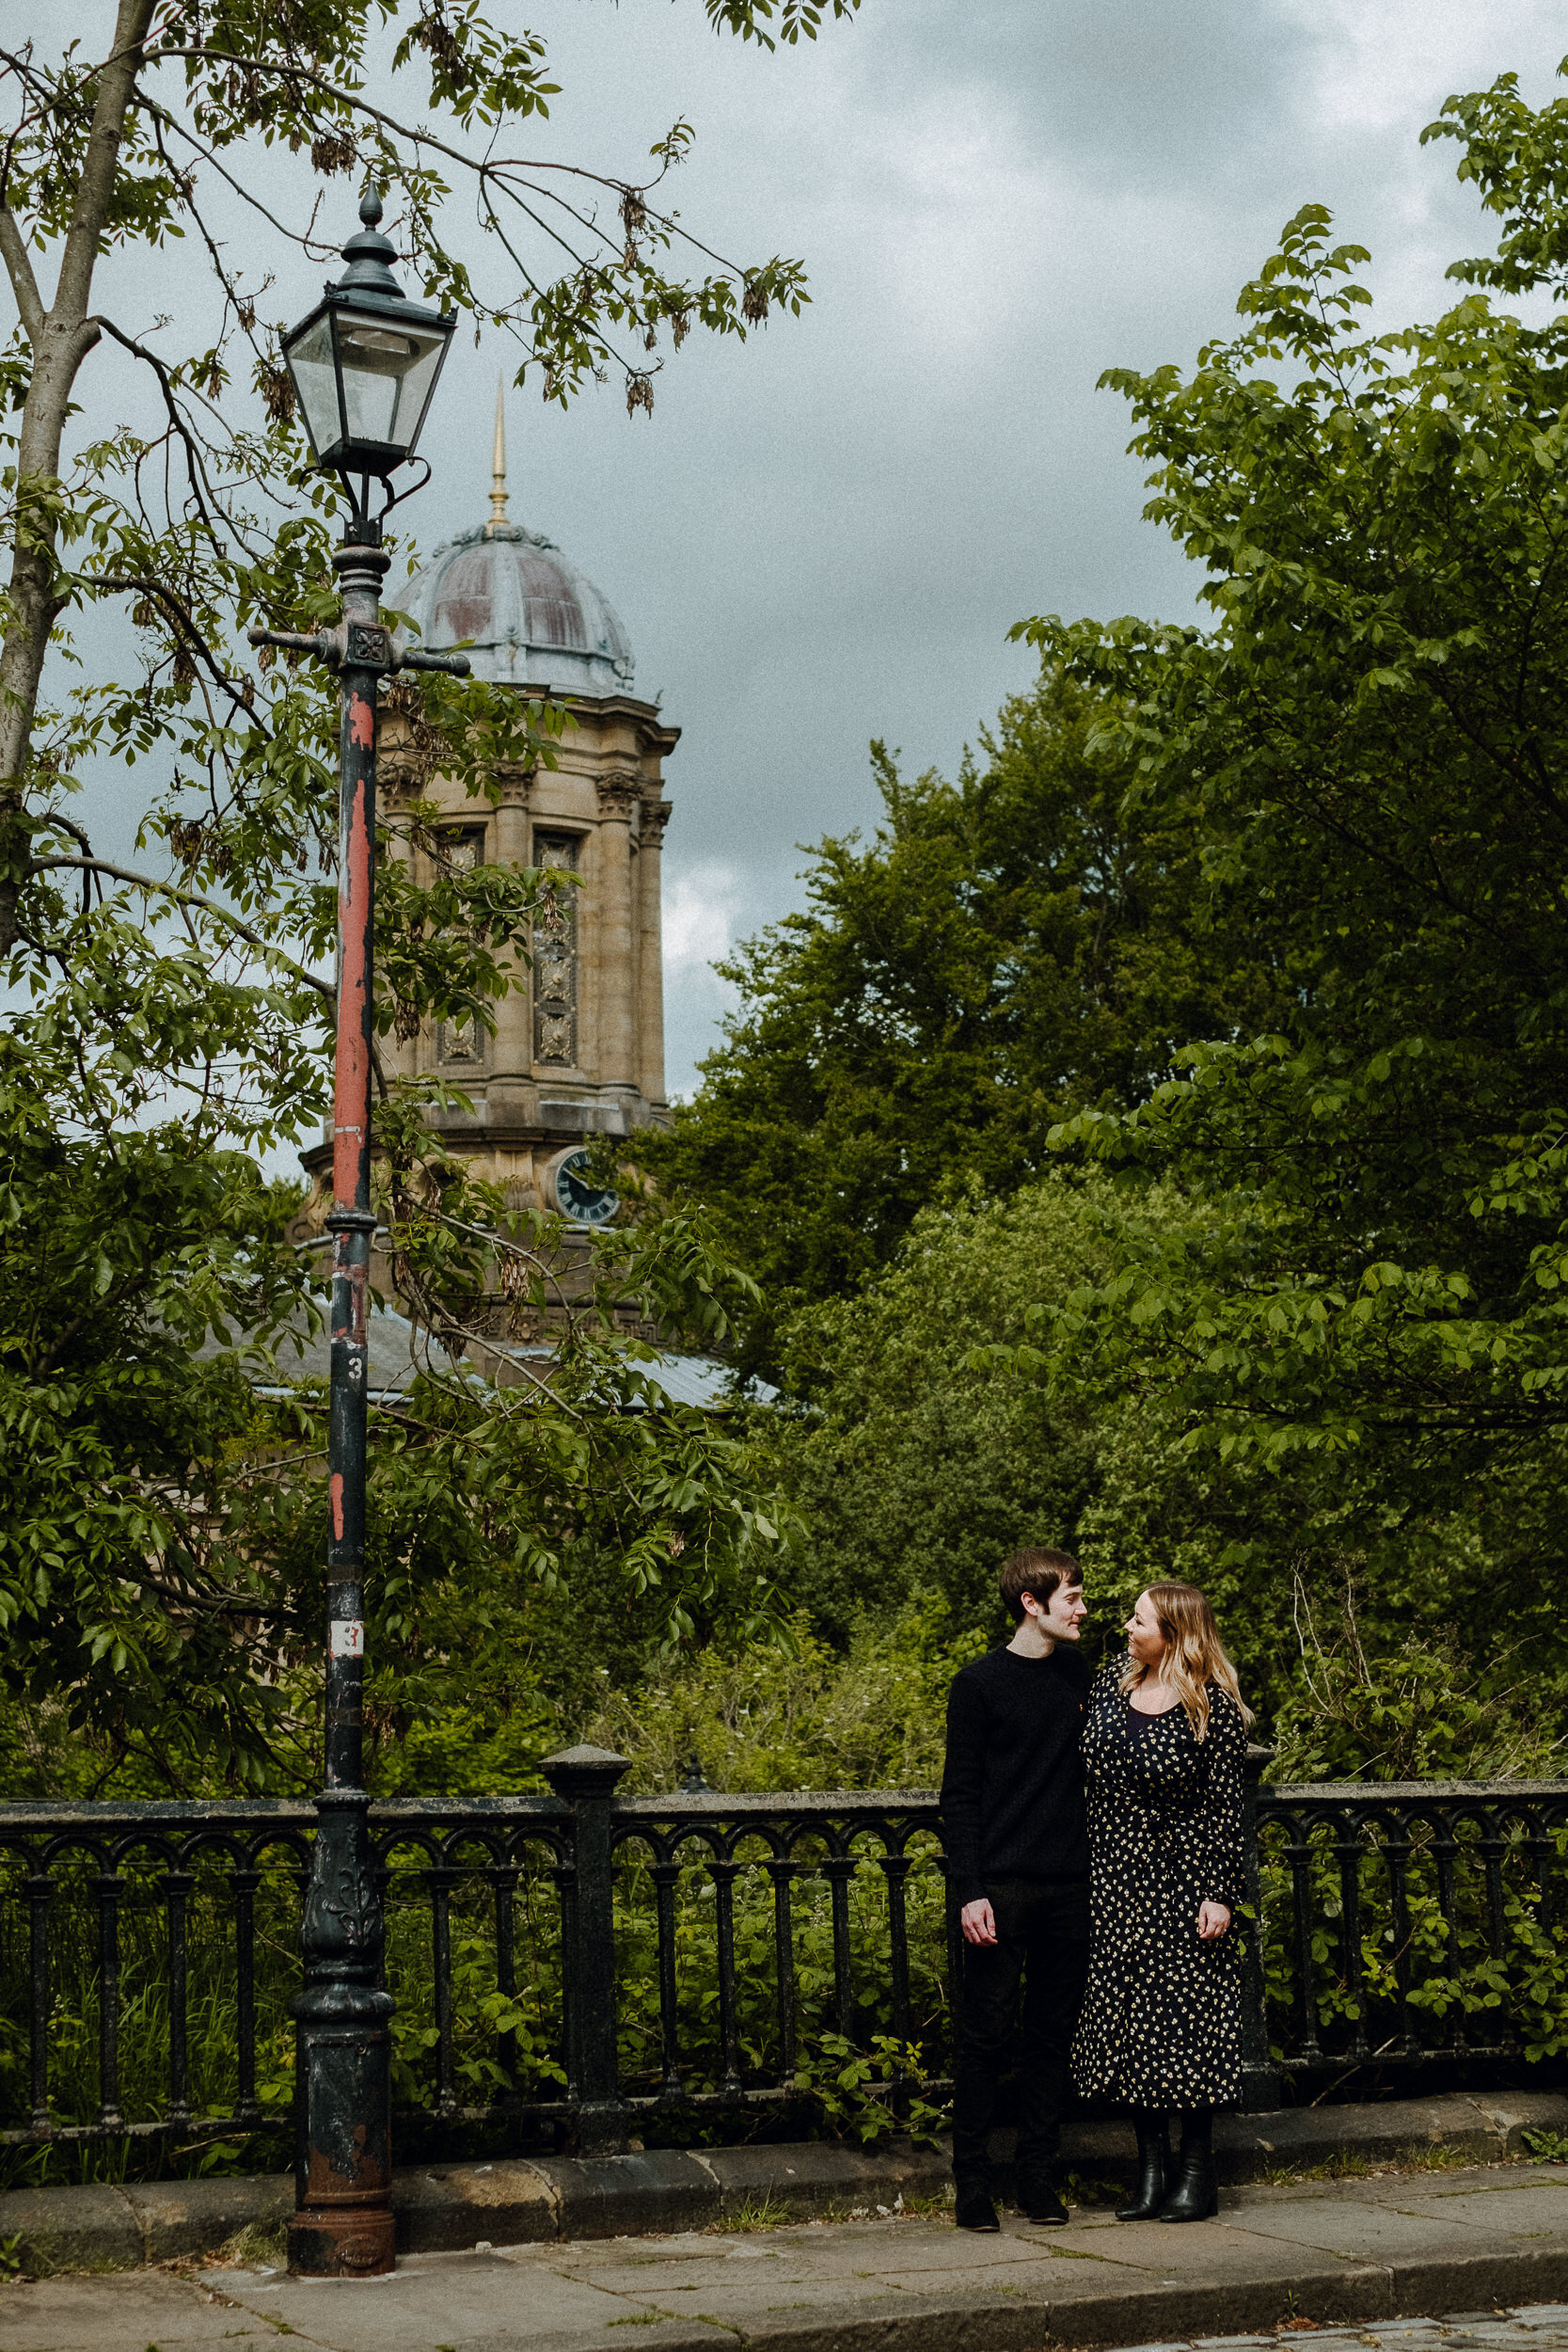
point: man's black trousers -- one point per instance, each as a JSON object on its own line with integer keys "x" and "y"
{"x": 1042, "y": 1937}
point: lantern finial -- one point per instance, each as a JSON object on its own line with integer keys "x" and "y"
{"x": 368, "y": 254}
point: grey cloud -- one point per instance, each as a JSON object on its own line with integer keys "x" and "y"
{"x": 826, "y": 535}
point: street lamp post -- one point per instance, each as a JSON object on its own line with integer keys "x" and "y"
{"x": 364, "y": 365}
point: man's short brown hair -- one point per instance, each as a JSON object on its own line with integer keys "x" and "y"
{"x": 1037, "y": 1572}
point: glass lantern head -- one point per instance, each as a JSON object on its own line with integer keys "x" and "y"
{"x": 364, "y": 363}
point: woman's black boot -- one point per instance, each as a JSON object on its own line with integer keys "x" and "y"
{"x": 1194, "y": 2195}
{"x": 1153, "y": 2168}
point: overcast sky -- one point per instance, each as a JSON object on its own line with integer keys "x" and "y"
{"x": 825, "y": 536}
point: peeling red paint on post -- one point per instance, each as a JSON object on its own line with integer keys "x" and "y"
{"x": 343, "y": 2223}
{"x": 351, "y": 1076}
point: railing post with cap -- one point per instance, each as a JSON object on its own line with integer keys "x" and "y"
{"x": 1260, "y": 2076}
{"x": 585, "y": 1779}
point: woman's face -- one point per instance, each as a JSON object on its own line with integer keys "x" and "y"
{"x": 1144, "y": 1637}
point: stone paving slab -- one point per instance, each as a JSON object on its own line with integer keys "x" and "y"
{"x": 1516, "y": 2206}
{"x": 127, "y": 2313}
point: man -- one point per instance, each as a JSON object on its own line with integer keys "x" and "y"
{"x": 1018, "y": 1863}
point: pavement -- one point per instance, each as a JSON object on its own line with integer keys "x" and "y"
{"x": 447, "y": 2208}
{"x": 1471, "y": 2259}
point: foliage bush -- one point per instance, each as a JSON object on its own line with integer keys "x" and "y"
{"x": 871, "y": 1717}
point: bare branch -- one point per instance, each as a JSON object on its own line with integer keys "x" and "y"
{"x": 172, "y": 122}
{"x": 194, "y": 898}
{"x": 202, "y": 487}
{"x": 487, "y": 168}
{"x": 126, "y": 583}
{"x": 65, "y": 824}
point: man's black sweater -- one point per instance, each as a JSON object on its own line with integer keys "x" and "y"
{"x": 1012, "y": 1792}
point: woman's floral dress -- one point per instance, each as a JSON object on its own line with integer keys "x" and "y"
{"x": 1161, "y": 2022}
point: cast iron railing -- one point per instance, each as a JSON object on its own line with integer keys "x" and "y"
{"x": 1413, "y": 1922}
{"x": 593, "y": 1967}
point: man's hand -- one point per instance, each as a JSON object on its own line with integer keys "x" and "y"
{"x": 1212, "y": 1921}
{"x": 978, "y": 1922}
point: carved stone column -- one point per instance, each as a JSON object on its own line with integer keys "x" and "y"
{"x": 510, "y": 1092}
{"x": 612, "y": 914}
{"x": 656, "y": 815}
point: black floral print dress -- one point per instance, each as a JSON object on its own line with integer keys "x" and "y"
{"x": 1161, "y": 2022}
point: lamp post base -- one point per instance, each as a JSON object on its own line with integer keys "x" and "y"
{"x": 342, "y": 2226}
{"x": 338, "y": 2242}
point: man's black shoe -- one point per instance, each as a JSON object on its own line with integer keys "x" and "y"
{"x": 974, "y": 2210}
{"x": 1040, "y": 2202}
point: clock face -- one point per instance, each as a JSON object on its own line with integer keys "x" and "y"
{"x": 576, "y": 1195}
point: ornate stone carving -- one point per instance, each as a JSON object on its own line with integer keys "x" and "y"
{"x": 460, "y": 1041}
{"x": 400, "y": 767}
{"x": 555, "y": 954}
{"x": 552, "y": 976}
{"x": 619, "y": 793}
{"x": 462, "y": 851}
{"x": 516, "y": 778}
{"x": 656, "y": 815}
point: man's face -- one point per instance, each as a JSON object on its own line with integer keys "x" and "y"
{"x": 1064, "y": 1614}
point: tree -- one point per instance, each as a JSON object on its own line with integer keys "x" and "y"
{"x": 1007, "y": 949}
{"x": 1371, "y": 735}
{"x": 171, "y": 1015}
{"x": 928, "y": 1434}
{"x": 914, "y": 1475}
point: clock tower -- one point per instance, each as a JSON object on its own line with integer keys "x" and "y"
{"x": 578, "y": 1048}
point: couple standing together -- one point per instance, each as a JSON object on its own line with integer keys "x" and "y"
{"x": 1094, "y": 1845}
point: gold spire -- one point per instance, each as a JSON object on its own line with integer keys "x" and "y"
{"x": 498, "y": 464}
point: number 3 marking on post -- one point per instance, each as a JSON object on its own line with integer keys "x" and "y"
{"x": 348, "y": 1638}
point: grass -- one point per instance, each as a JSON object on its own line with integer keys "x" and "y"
{"x": 773, "y": 2213}
{"x": 766, "y": 2213}
{"x": 259, "y": 2245}
{"x": 1431, "y": 2156}
{"x": 1081, "y": 2190}
{"x": 1345, "y": 2164}
{"x": 1342, "y": 2166}
{"x": 929, "y": 2208}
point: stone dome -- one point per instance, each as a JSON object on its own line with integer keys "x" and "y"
{"x": 533, "y": 618}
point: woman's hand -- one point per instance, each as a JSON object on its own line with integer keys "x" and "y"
{"x": 1212, "y": 1921}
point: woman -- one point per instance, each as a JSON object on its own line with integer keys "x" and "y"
{"x": 1161, "y": 2025}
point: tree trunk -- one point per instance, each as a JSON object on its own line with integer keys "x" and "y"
{"x": 60, "y": 339}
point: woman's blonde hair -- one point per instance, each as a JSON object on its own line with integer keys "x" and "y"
{"x": 1194, "y": 1655}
